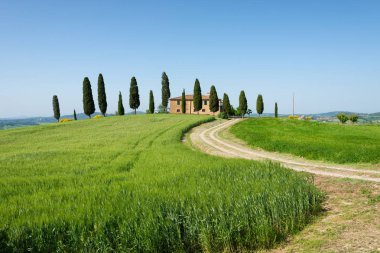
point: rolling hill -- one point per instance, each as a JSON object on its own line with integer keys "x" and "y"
{"x": 128, "y": 183}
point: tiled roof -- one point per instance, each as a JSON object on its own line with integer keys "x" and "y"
{"x": 191, "y": 97}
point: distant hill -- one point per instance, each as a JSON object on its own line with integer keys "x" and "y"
{"x": 33, "y": 121}
{"x": 333, "y": 114}
{"x": 11, "y": 123}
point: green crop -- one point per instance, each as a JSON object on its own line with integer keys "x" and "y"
{"x": 128, "y": 184}
{"x": 313, "y": 140}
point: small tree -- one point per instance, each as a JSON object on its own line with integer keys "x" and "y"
{"x": 165, "y": 90}
{"x": 342, "y": 118}
{"x": 227, "y": 105}
{"x": 151, "y": 102}
{"x": 214, "y": 100}
{"x": 259, "y": 105}
{"x": 88, "y": 100}
{"x": 75, "y": 115}
{"x": 161, "y": 109}
{"x": 249, "y": 112}
{"x": 243, "y": 105}
{"x": 183, "y": 102}
{"x": 102, "y": 98}
{"x": 197, "y": 96}
{"x": 134, "y": 97}
{"x": 120, "y": 107}
{"x": 275, "y": 110}
{"x": 57, "y": 111}
{"x": 237, "y": 111}
{"x": 354, "y": 118}
{"x": 233, "y": 111}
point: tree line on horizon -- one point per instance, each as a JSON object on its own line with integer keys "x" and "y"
{"x": 134, "y": 100}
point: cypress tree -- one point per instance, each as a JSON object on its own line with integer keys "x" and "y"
{"x": 243, "y": 105}
{"x": 197, "y": 100}
{"x": 134, "y": 97}
{"x": 226, "y": 104}
{"x": 151, "y": 102}
{"x": 120, "y": 107}
{"x": 214, "y": 100}
{"x": 75, "y": 115}
{"x": 183, "y": 102}
{"x": 259, "y": 104}
{"x": 102, "y": 98}
{"x": 165, "y": 90}
{"x": 275, "y": 110}
{"x": 88, "y": 100}
{"x": 57, "y": 111}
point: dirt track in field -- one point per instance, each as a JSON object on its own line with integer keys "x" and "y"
{"x": 214, "y": 138}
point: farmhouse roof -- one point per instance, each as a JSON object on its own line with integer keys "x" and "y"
{"x": 191, "y": 97}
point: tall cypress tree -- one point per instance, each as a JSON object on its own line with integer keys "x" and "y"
{"x": 214, "y": 100}
{"x": 134, "y": 97}
{"x": 75, "y": 115}
{"x": 120, "y": 107}
{"x": 102, "y": 98}
{"x": 197, "y": 99}
{"x": 243, "y": 105}
{"x": 183, "y": 102}
{"x": 226, "y": 104}
{"x": 57, "y": 111}
{"x": 275, "y": 110}
{"x": 259, "y": 105}
{"x": 165, "y": 90}
{"x": 88, "y": 100}
{"x": 151, "y": 102}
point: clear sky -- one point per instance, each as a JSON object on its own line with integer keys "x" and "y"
{"x": 326, "y": 51}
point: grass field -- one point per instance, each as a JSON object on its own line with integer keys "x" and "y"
{"x": 313, "y": 140}
{"x": 129, "y": 184}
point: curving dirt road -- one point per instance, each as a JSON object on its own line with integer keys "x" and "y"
{"x": 213, "y": 138}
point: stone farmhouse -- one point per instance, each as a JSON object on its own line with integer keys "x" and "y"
{"x": 175, "y": 105}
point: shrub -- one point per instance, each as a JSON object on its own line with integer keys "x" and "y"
{"x": 354, "y": 118}
{"x": 223, "y": 115}
{"x": 294, "y": 117}
{"x": 65, "y": 120}
{"x": 98, "y": 116}
{"x": 161, "y": 109}
{"x": 342, "y": 118}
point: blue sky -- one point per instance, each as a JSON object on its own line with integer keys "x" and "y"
{"x": 327, "y": 52}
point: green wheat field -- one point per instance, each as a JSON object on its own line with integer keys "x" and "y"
{"x": 129, "y": 184}
{"x": 313, "y": 140}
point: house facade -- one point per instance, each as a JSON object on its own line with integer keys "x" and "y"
{"x": 176, "y": 105}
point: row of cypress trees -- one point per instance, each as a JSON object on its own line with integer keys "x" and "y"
{"x": 243, "y": 105}
{"x": 88, "y": 100}
{"x": 214, "y": 102}
{"x": 134, "y": 99}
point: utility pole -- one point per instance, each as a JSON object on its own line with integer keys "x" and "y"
{"x": 293, "y": 103}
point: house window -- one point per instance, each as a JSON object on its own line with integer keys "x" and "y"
{"x": 178, "y": 110}
{"x": 205, "y": 102}
{"x": 203, "y": 110}
{"x": 178, "y": 102}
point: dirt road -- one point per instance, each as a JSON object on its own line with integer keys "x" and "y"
{"x": 213, "y": 138}
{"x": 351, "y": 221}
